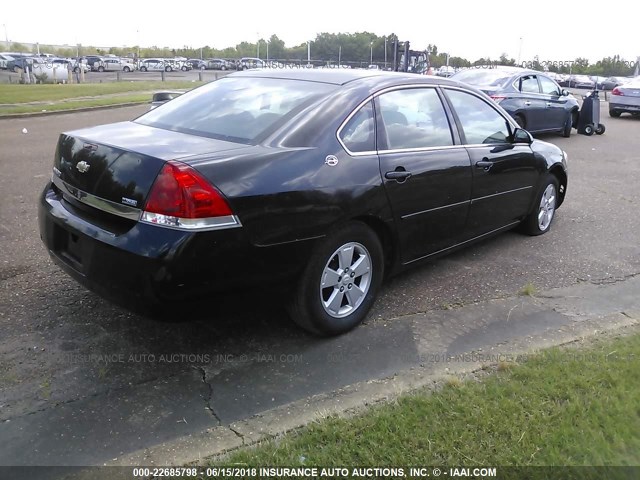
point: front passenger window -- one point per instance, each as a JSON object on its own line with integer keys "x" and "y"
{"x": 549, "y": 87}
{"x": 529, "y": 84}
{"x": 481, "y": 123}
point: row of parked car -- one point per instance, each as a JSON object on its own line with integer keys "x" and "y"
{"x": 96, "y": 63}
{"x": 590, "y": 82}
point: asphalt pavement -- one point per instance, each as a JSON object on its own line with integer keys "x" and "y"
{"x": 83, "y": 382}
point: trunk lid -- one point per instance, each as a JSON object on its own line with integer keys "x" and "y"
{"x": 119, "y": 162}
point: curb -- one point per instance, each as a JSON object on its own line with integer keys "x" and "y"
{"x": 73, "y": 110}
{"x": 215, "y": 443}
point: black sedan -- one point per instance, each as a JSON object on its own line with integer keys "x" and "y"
{"x": 319, "y": 183}
{"x": 534, "y": 100}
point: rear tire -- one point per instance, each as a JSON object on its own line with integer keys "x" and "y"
{"x": 340, "y": 282}
{"x": 614, "y": 113}
{"x": 143, "y": 69}
{"x": 539, "y": 220}
{"x": 600, "y": 129}
{"x": 588, "y": 130}
{"x": 126, "y": 69}
{"x": 101, "y": 69}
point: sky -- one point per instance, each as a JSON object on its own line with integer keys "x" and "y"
{"x": 549, "y": 29}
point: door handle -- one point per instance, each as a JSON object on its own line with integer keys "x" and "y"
{"x": 549, "y": 104}
{"x": 484, "y": 164}
{"x": 398, "y": 175}
{"x": 527, "y": 103}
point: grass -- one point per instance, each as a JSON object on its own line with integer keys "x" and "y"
{"x": 578, "y": 407}
{"x": 35, "y": 98}
{"x": 529, "y": 290}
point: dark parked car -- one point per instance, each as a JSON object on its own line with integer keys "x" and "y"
{"x": 197, "y": 64}
{"x": 317, "y": 183}
{"x": 613, "y": 82}
{"x": 21, "y": 62}
{"x": 95, "y": 63}
{"x": 534, "y": 100}
{"x": 220, "y": 64}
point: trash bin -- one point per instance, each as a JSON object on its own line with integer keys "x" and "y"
{"x": 589, "y": 118}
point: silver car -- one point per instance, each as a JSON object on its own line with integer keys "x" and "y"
{"x": 625, "y": 99}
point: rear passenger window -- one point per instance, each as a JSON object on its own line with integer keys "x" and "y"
{"x": 358, "y": 134}
{"x": 414, "y": 118}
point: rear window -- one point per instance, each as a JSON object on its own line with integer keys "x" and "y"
{"x": 235, "y": 109}
{"x": 484, "y": 77}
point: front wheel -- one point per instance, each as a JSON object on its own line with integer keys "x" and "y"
{"x": 126, "y": 69}
{"x": 184, "y": 69}
{"x": 168, "y": 69}
{"x": 101, "y": 69}
{"x": 588, "y": 130}
{"x": 539, "y": 220}
{"x": 568, "y": 125}
{"x": 143, "y": 69}
{"x": 600, "y": 129}
{"x": 340, "y": 283}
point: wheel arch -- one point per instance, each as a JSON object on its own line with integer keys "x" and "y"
{"x": 558, "y": 172}
{"x": 384, "y": 233}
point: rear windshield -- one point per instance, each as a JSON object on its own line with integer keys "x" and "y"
{"x": 236, "y": 108}
{"x": 484, "y": 77}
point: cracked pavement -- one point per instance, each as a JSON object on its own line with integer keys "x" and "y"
{"x": 83, "y": 382}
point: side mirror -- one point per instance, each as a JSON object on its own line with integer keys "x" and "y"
{"x": 520, "y": 135}
{"x": 564, "y": 93}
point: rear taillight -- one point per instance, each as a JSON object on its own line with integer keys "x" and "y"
{"x": 181, "y": 198}
{"x": 498, "y": 98}
{"x": 617, "y": 91}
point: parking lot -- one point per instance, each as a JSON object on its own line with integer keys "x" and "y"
{"x": 85, "y": 382}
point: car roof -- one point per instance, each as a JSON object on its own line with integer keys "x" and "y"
{"x": 340, "y": 76}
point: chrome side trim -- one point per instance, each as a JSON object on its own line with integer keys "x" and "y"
{"x": 107, "y": 206}
{"x": 501, "y": 193}
{"x": 509, "y": 225}
{"x": 421, "y": 149}
{"x": 434, "y": 209}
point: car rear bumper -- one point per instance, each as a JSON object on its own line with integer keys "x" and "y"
{"x": 147, "y": 266}
{"x": 630, "y": 104}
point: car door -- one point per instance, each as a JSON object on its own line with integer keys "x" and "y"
{"x": 427, "y": 176}
{"x": 533, "y": 104}
{"x": 504, "y": 172}
{"x": 556, "y": 103}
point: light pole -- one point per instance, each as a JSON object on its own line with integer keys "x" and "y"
{"x": 520, "y": 51}
{"x": 309, "y": 51}
{"x": 339, "y": 55}
{"x": 371, "y": 57}
{"x": 6, "y": 35}
{"x": 267, "y": 42}
{"x": 385, "y": 53}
